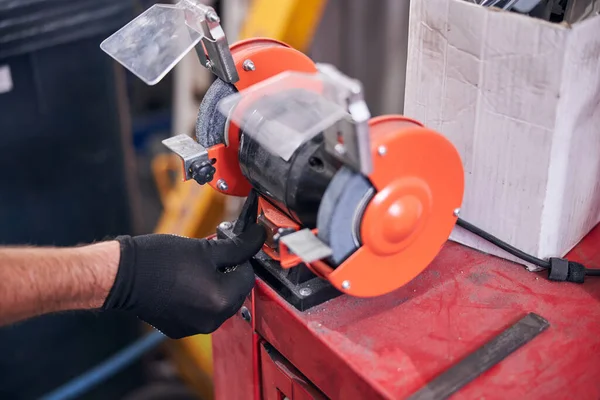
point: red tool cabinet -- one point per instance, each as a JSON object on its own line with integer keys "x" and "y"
{"x": 391, "y": 346}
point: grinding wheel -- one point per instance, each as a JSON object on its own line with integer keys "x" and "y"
{"x": 210, "y": 125}
{"x": 340, "y": 213}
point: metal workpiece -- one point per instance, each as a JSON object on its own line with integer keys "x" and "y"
{"x": 306, "y": 245}
{"x": 484, "y": 358}
{"x": 196, "y": 163}
{"x": 348, "y": 139}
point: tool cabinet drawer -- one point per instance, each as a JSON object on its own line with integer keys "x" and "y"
{"x": 281, "y": 380}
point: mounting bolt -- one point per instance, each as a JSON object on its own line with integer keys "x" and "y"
{"x": 212, "y": 16}
{"x": 382, "y": 150}
{"x": 248, "y": 65}
{"x": 225, "y": 225}
{"x": 305, "y": 292}
{"x": 245, "y": 313}
{"x": 222, "y": 185}
{"x": 456, "y": 212}
{"x": 346, "y": 285}
{"x": 340, "y": 148}
{"x": 208, "y": 64}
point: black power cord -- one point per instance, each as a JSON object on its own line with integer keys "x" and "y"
{"x": 559, "y": 269}
{"x": 503, "y": 245}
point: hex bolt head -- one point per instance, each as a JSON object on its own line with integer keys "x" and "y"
{"x": 340, "y": 148}
{"x": 222, "y": 185}
{"x": 305, "y": 292}
{"x": 212, "y": 16}
{"x": 245, "y": 313}
{"x": 248, "y": 65}
{"x": 225, "y": 225}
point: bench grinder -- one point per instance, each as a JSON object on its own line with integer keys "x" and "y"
{"x": 352, "y": 204}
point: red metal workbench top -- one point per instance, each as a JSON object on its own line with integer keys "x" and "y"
{"x": 399, "y": 342}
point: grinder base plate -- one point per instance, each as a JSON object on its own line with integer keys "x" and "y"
{"x": 298, "y": 286}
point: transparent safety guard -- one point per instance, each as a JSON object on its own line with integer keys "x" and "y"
{"x": 286, "y": 110}
{"x": 154, "y": 42}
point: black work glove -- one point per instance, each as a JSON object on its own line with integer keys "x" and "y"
{"x": 177, "y": 284}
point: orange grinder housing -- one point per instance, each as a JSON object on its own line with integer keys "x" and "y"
{"x": 416, "y": 180}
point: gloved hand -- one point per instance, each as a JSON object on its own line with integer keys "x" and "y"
{"x": 177, "y": 285}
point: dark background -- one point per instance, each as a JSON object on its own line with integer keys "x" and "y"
{"x": 77, "y": 134}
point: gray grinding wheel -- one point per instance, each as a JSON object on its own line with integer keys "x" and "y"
{"x": 340, "y": 213}
{"x": 210, "y": 125}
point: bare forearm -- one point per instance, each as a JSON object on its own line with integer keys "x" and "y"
{"x": 35, "y": 281}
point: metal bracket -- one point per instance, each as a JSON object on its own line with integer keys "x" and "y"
{"x": 348, "y": 140}
{"x": 219, "y": 60}
{"x": 188, "y": 150}
{"x": 306, "y": 245}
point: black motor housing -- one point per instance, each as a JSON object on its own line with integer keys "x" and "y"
{"x": 295, "y": 186}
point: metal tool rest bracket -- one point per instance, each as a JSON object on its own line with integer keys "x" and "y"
{"x": 298, "y": 286}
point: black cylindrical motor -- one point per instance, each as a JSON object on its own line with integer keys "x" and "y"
{"x": 295, "y": 186}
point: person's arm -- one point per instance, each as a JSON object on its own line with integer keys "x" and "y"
{"x": 178, "y": 285}
{"x": 35, "y": 281}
